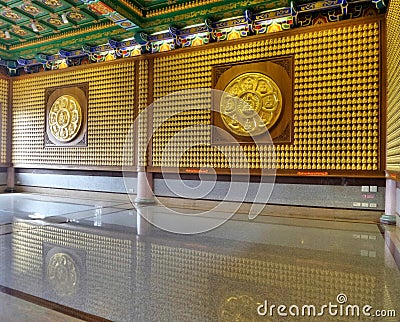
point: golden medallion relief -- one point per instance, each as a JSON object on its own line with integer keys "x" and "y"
{"x": 62, "y": 274}
{"x": 258, "y": 108}
{"x": 65, "y": 118}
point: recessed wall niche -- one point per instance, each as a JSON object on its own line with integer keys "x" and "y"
{"x": 66, "y": 116}
{"x": 266, "y": 87}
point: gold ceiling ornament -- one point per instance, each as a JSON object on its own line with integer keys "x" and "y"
{"x": 258, "y": 107}
{"x": 29, "y": 8}
{"x": 65, "y": 118}
{"x": 74, "y": 33}
{"x": 17, "y": 30}
{"x": 11, "y": 15}
{"x": 55, "y": 20}
{"x": 62, "y": 274}
{"x": 52, "y": 3}
{"x": 76, "y": 15}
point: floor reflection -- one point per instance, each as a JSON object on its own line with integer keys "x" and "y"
{"x": 89, "y": 257}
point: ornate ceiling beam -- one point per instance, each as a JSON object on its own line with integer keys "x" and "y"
{"x": 115, "y": 12}
{"x": 173, "y": 37}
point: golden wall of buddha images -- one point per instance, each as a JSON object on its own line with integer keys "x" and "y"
{"x": 393, "y": 115}
{"x": 4, "y": 84}
{"x": 110, "y": 115}
{"x": 336, "y": 124}
{"x": 142, "y": 105}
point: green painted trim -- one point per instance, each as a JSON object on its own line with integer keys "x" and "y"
{"x": 144, "y": 201}
{"x": 227, "y": 9}
{"x": 126, "y": 12}
{"x": 72, "y": 42}
{"x": 388, "y": 219}
{"x": 6, "y": 54}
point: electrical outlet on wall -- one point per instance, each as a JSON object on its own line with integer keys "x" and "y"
{"x": 365, "y": 188}
{"x": 373, "y": 188}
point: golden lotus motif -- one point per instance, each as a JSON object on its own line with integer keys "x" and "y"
{"x": 65, "y": 118}
{"x": 76, "y": 16}
{"x": 12, "y": 15}
{"x": 52, "y": 3}
{"x": 31, "y": 9}
{"x": 251, "y": 104}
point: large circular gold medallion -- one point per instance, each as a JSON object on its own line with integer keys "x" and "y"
{"x": 65, "y": 118}
{"x": 62, "y": 274}
{"x": 258, "y": 107}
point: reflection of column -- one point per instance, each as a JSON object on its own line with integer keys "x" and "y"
{"x": 389, "y": 217}
{"x": 392, "y": 262}
{"x": 390, "y": 248}
{"x": 144, "y": 187}
{"x": 10, "y": 180}
{"x": 143, "y": 219}
{"x": 97, "y": 217}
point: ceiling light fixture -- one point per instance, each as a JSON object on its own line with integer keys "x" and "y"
{"x": 64, "y": 18}
{"x": 34, "y": 27}
{"x": 7, "y": 34}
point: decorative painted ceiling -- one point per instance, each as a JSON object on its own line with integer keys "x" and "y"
{"x": 36, "y": 24}
{"x": 34, "y": 32}
{"x": 22, "y": 21}
{"x": 52, "y": 17}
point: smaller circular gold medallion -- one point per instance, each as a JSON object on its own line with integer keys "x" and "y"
{"x": 65, "y": 118}
{"x": 62, "y": 274}
{"x": 251, "y": 104}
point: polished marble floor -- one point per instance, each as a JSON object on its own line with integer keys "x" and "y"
{"x": 65, "y": 259}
